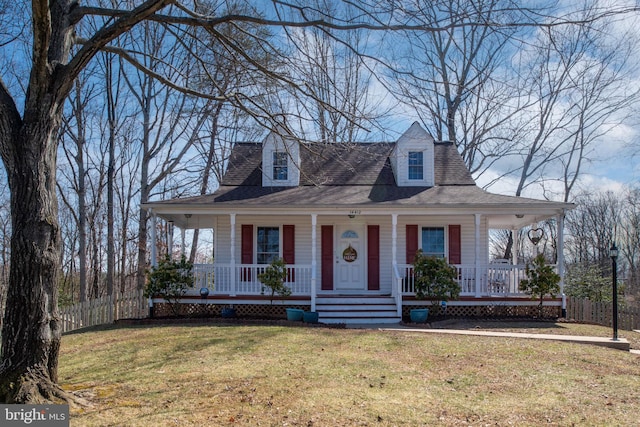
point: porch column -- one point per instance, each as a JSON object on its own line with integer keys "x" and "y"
{"x": 152, "y": 235}
{"x": 183, "y": 247}
{"x": 478, "y": 277}
{"x": 560, "y": 260}
{"x": 232, "y": 261}
{"x": 394, "y": 239}
{"x": 395, "y": 290}
{"x": 170, "y": 239}
{"x": 314, "y": 262}
{"x": 514, "y": 248}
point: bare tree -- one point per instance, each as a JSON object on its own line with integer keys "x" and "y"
{"x": 459, "y": 81}
{"x": 329, "y": 62}
{"x": 628, "y": 239}
{"x": 592, "y": 228}
{"x": 74, "y": 144}
{"x": 578, "y": 82}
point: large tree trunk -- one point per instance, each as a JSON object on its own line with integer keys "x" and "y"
{"x": 32, "y": 330}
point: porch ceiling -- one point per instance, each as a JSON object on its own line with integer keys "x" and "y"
{"x": 186, "y": 217}
{"x": 516, "y": 221}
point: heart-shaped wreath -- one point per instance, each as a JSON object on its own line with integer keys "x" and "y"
{"x": 535, "y": 235}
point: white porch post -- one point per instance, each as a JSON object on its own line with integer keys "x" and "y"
{"x": 154, "y": 244}
{"x": 560, "y": 261}
{"x": 232, "y": 248}
{"x": 394, "y": 239}
{"x": 170, "y": 239}
{"x": 314, "y": 261}
{"x": 394, "y": 260}
{"x": 183, "y": 237}
{"x": 478, "y": 278}
{"x": 514, "y": 248}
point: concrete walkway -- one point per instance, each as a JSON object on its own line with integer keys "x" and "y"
{"x": 620, "y": 344}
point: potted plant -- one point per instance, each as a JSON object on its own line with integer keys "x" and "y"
{"x": 434, "y": 279}
{"x": 541, "y": 280}
{"x": 273, "y": 278}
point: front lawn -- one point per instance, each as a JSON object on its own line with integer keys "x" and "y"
{"x": 212, "y": 375}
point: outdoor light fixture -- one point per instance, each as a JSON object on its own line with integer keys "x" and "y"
{"x": 613, "y": 253}
{"x": 187, "y": 216}
{"x": 204, "y": 292}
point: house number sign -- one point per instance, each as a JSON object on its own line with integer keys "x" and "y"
{"x": 349, "y": 254}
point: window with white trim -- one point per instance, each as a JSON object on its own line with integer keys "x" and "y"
{"x": 416, "y": 165}
{"x": 433, "y": 241}
{"x": 268, "y": 244}
{"x": 280, "y": 166}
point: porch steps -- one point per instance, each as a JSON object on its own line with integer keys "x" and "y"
{"x": 357, "y": 309}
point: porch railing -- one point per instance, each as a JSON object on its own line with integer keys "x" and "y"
{"x": 494, "y": 279}
{"x": 484, "y": 280}
{"x": 223, "y": 279}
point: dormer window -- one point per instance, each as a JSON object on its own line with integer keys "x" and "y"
{"x": 416, "y": 165}
{"x": 280, "y": 166}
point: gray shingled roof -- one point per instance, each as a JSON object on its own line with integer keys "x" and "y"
{"x": 335, "y": 174}
{"x": 343, "y": 165}
{"x": 348, "y": 175}
{"x": 353, "y": 176}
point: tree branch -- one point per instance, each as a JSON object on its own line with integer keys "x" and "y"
{"x": 126, "y": 20}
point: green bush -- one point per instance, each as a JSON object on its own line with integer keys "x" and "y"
{"x": 274, "y": 277}
{"x": 170, "y": 280}
{"x": 541, "y": 280}
{"x": 434, "y": 278}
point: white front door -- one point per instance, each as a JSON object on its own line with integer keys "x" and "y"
{"x": 350, "y": 258}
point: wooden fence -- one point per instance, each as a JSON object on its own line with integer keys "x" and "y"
{"x": 108, "y": 309}
{"x": 601, "y": 313}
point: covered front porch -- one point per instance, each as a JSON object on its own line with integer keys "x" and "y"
{"x": 380, "y": 238}
{"x": 496, "y": 296}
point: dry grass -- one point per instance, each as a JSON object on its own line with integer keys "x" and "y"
{"x": 280, "y": 376}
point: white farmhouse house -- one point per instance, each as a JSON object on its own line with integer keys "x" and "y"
{"x": 348, "y": 220}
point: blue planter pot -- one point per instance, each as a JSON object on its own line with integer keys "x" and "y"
{"x": 419, "y": 315}
{"x": 228, "y": 312}
{"x": 294, "y": 314}
{"x": 310, "y": 317}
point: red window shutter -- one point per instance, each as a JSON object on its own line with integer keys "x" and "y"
{"x": 326, "y": 250}
{"x": 288, "y": 249}
{"x": 247, "y": 244}
{"x": 246, "y": 250}
{"x": 455, "y": 244}
{"x": 412, "y": 242}
{"x": 373, "y": 257}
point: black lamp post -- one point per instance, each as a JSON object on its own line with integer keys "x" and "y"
{"x": 613, "y": 253}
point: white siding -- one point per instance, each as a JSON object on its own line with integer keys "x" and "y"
{"x": 467, "y": 229}
{"x": 415, "y": 139}
{"x": 302, "y": 225}
{"x": 276, "y": 143}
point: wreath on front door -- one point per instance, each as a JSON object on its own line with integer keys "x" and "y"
{"x": 349, "y": 254}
